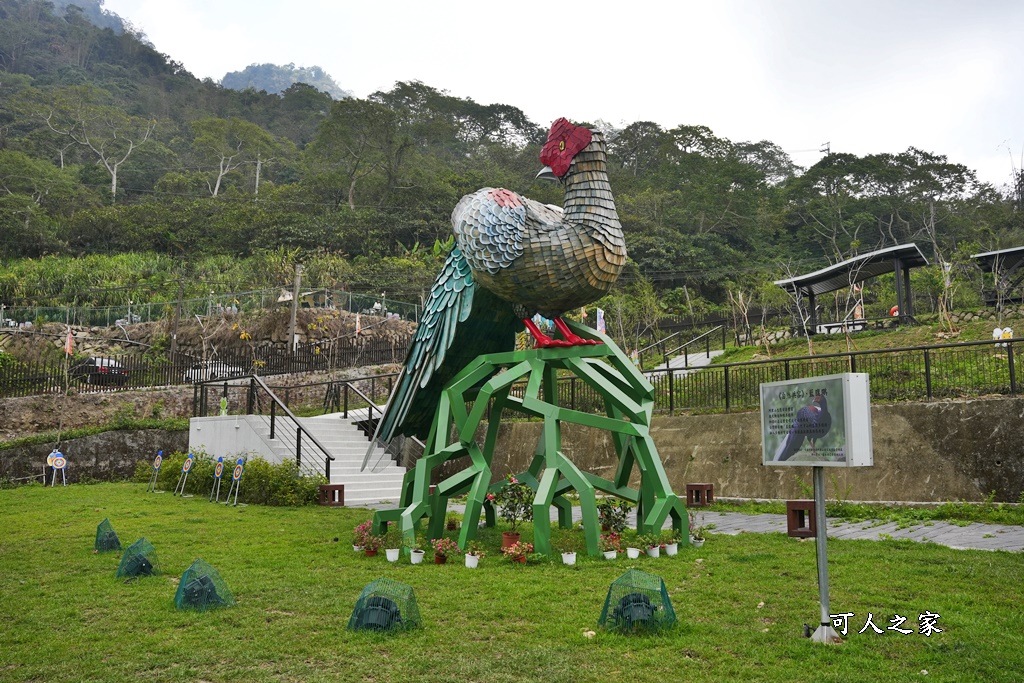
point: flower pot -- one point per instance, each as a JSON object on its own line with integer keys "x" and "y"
{"x": 671, "y": 548}
{"x": 357, "y": 548}
{"x": 370, "y": 553}
{"x": 633, "y": 553}
{"x": 610, "y": 554}
{"x": 451, "y": 526}
{"x": 439, "y": 559}
{"x": 509, "y": 539}
{"x": 696, "y": 542}
{"x": 605, "y": 528}
{"x": 472, "y": 561}
{"x": 521, "y": 559}
{"x": 654, "y": 552}
{"x": 569, "y": 558}
{"x": 392, "y": 554}
{"x": 416, "y": 556}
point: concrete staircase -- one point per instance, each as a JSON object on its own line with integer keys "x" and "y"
{"x": 382, "y": 479}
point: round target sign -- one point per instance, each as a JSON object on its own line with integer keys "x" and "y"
{"x": 237, "y": 474}
{"x": 219, "y": 469}
{"x": 156, "y": 461}
{"x": 59, "y": 462}
{"x": 187, "y": 465}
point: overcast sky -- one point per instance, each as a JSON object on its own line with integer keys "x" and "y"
{"x": 866, "y": 76}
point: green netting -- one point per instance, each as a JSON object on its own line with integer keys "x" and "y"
{"x": 201, "y": 588}
{"x": 106, "y": 538}
{"x": 637, "y": 601}
{"x": 385, "y": 605}
{"x": 139, "y": 560}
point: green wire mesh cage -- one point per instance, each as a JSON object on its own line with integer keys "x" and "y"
{"x": 106, "y": 538}
{"x": 637, "y": 601}
{"x": 202, "y": 588}
{"x": 384, "y": 606}
{"x": 139, "y": 560}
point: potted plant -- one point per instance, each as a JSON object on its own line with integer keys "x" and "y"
{"x": 609, "y": 544}
{"x": 371, "y": 544}
{"x": 415, "y": 552}
{"x": 518, "y": 551}
{"x": 652, "y": 542}
{"x": 613, "y": 513}
{"x": 568, "y": 548}
{"x": 359, "y": 534}
{"x": 670, "y": 541}
{"x": 474, "y": 553}
{"x": 515, "y": 505}
{"x": 697, "y": 536}
{"x": 392, "y": 541}
{"x": 451, "y": 521}
{"x": 443, "y": 549}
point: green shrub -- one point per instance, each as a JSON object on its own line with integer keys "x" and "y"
{"x": 263, "y": 483}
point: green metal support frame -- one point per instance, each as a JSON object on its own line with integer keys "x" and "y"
{"x": 487, "y": 381}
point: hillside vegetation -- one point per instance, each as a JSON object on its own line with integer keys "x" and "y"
{"x": 123, "y": 177}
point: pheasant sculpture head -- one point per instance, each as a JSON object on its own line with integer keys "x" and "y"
{"x": 514, "y": 257}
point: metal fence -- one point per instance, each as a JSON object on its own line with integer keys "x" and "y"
{"x": 125, "y": 372}
{"x": 214, "y": 304}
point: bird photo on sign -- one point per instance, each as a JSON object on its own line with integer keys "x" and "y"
{"x": 804, "y": 422}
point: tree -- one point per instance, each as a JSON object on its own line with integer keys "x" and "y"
{"x": 81, "y": 114}
{"x": 224, "y": 145}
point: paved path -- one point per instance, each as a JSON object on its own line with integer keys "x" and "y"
{"x": 698, "y": 359}
{"x": 974, "y": 536}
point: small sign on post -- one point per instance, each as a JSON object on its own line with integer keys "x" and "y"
{"x": 819, "y": 422}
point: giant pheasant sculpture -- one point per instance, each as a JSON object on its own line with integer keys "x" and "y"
{"x": 513, "y": 258}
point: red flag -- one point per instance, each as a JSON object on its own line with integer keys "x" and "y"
{"x": 69, "y": 345}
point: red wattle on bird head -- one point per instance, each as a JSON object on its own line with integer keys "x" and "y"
{"x": 564, "y": 142}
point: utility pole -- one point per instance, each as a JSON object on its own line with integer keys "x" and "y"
{"x": 177, "y": 317}
{"x": 826, "y": 148}
{"x": 295, "y": 307}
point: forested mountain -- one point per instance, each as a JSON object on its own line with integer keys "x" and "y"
{"x": 108, "y": 146}
{"x": 276, "y": 79}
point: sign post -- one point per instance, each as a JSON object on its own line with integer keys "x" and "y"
{"x": 819, "y": 422}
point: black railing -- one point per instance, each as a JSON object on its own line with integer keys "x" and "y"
{"x": 261, "y": 400}
{"x": 668, "y": 354}
{"x": 902, "y": 374}
{"x": 136, "y": 372}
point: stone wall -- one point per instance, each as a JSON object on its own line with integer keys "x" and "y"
{"x": 939, "y": 451}
{"x": 110, "y": 456}
{"x": 930, "y": 452}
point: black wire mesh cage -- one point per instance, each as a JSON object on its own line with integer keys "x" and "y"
{"x": 106, "y": 538}
{"x": 139, "y": 560}
{"x": 637, "y": 601}
{"x": 202, "y": 588}
{"x": 385, "y": 605}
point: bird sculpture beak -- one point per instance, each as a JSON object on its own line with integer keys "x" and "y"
{"x": 547, "y": 174}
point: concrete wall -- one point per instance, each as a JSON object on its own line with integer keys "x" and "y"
{"x": 938, "y": 451}
{"x": 228, "y": 436}
{"x": 107, "y": 456}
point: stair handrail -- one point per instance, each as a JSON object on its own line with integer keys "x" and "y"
{"x": 299, "y": 429}
{"x": 686, "y": 354}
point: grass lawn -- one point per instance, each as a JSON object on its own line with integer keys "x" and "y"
{"x": 741, "y": 603}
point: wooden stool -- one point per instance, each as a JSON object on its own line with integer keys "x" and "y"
{"x": 332, "y": 495}
{"x": 800, "y": 522}
{"x": 699, "y": 495}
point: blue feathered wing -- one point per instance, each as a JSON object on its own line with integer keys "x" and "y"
{"x": 460, "y": 321}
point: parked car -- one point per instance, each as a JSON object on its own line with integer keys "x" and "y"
{"x": 99, "y": 371}
{"x": 212, "y": 369}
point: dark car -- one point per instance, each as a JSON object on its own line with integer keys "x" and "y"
{"x": 100, "y": 371}
{"x": 213, "y": 369}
